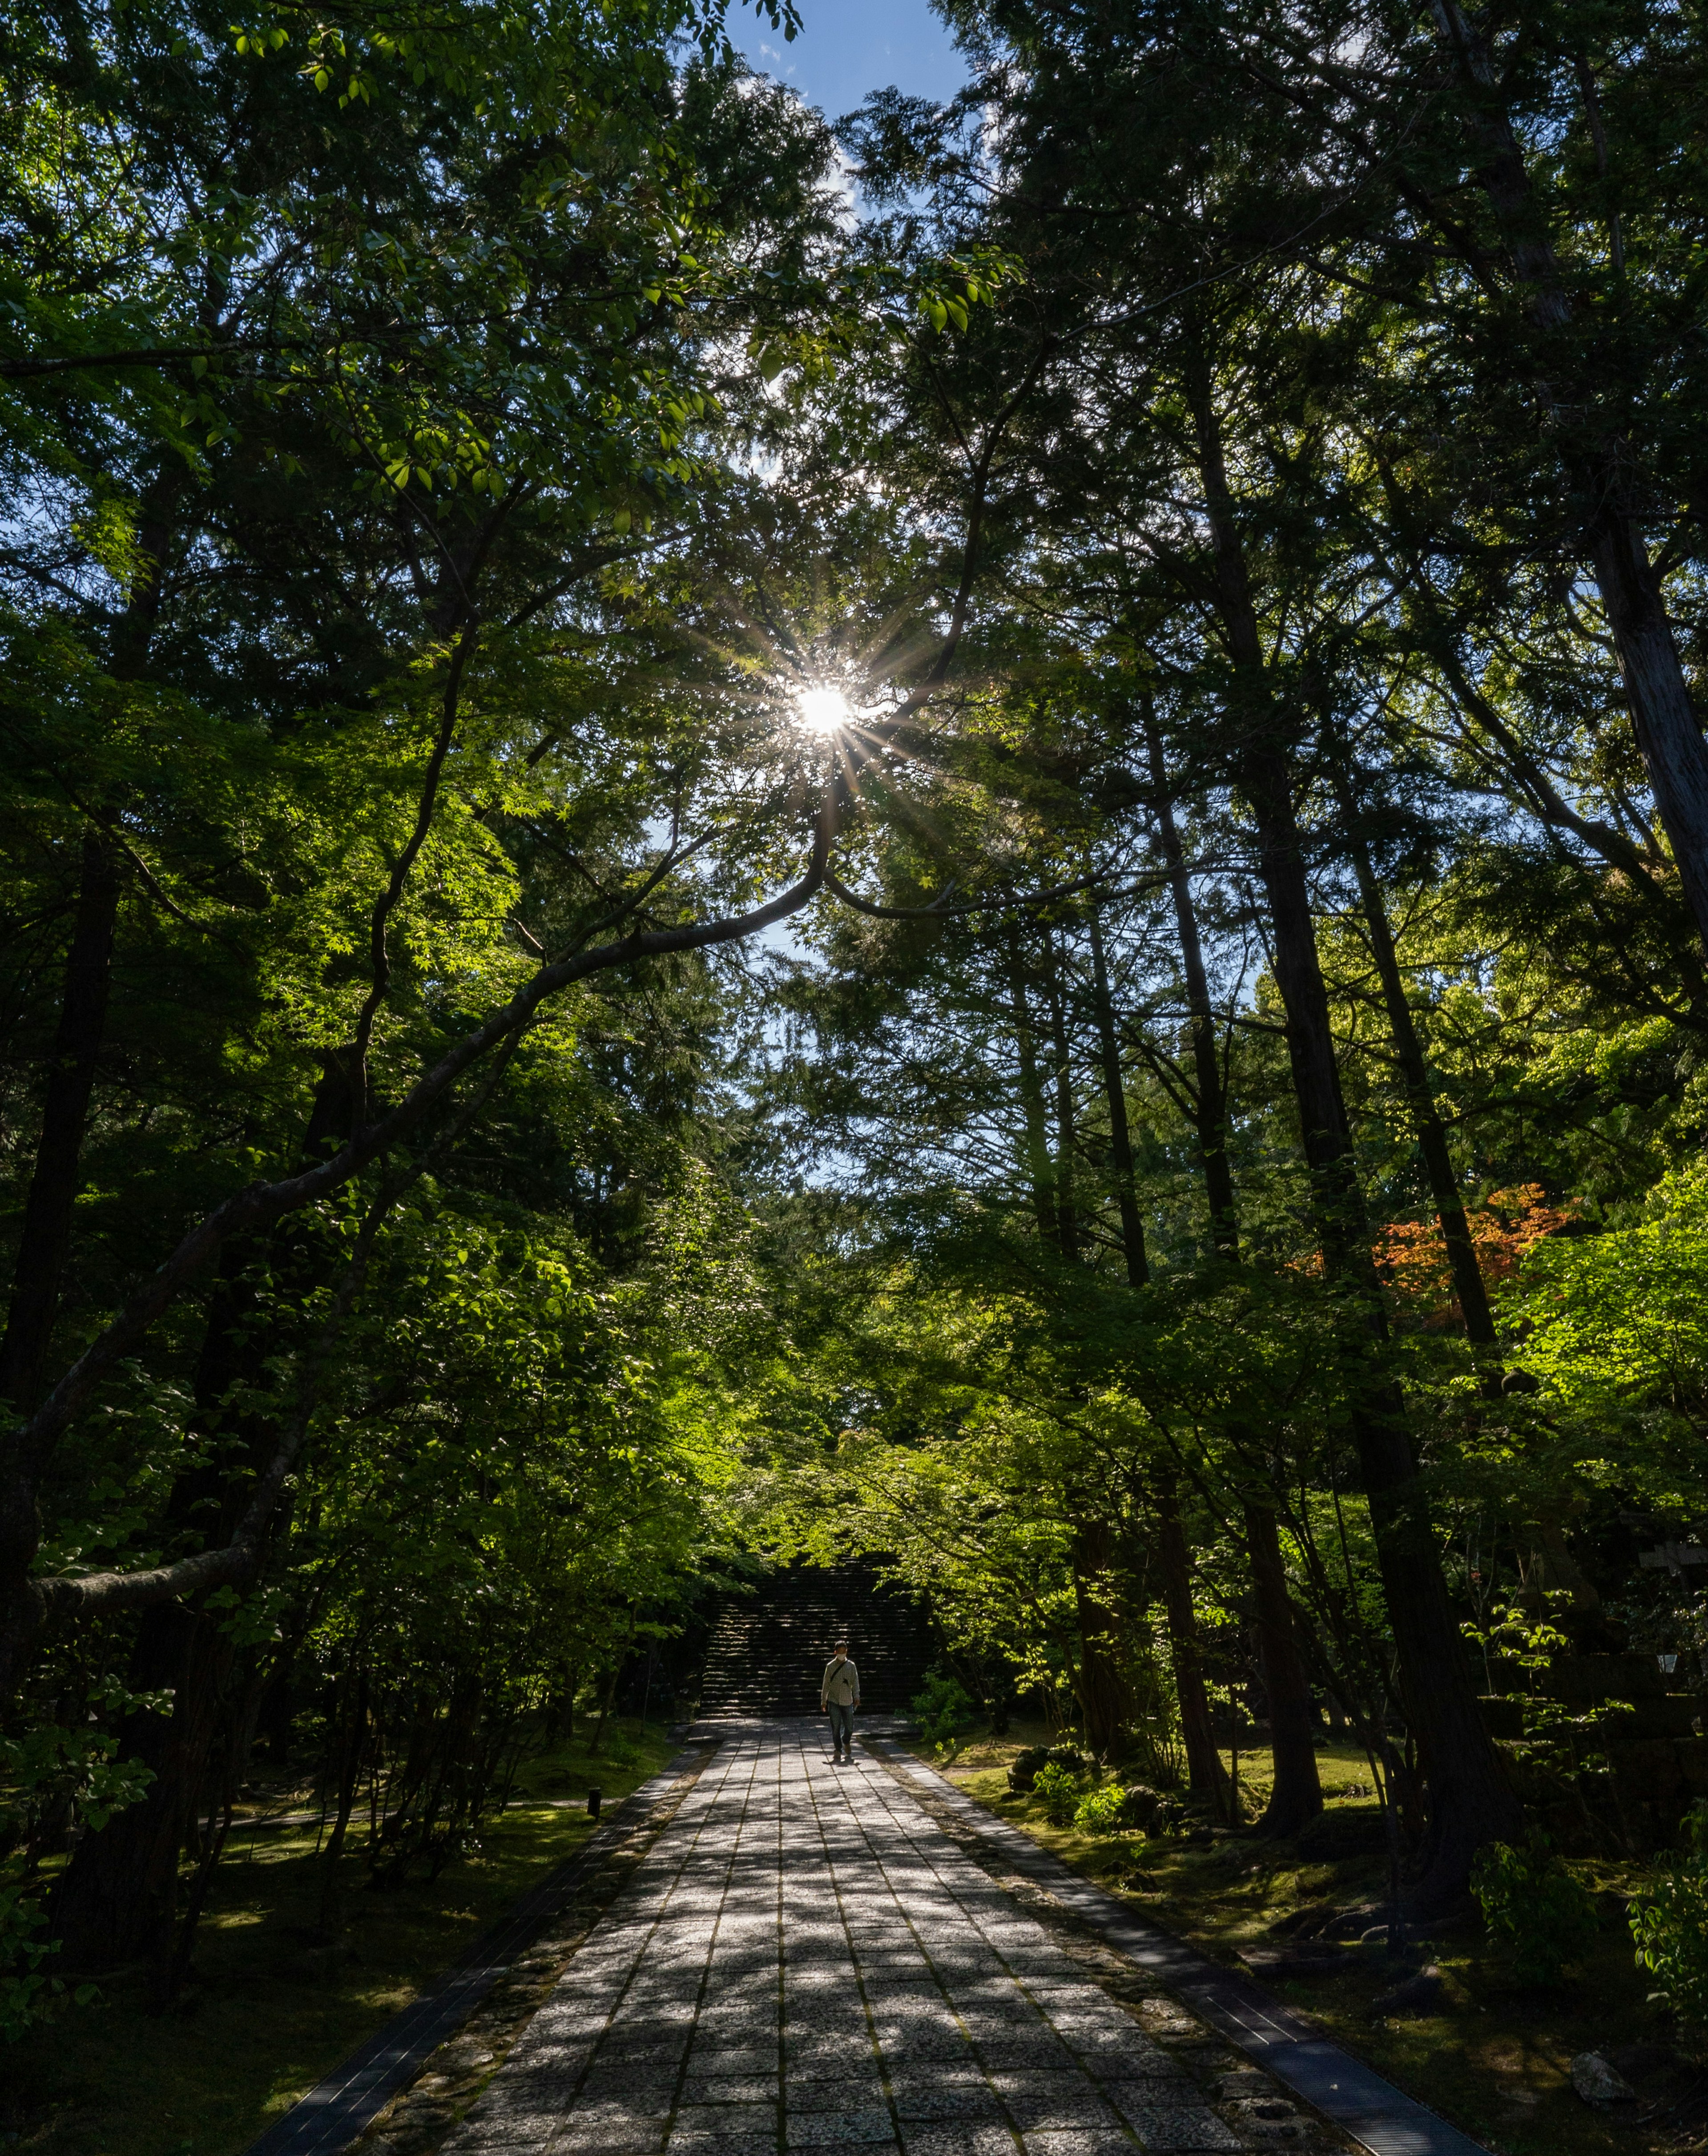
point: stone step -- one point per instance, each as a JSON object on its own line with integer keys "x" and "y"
{"x": 766, "y": 1650}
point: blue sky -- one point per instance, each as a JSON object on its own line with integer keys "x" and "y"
{"x": 848, "y": 47}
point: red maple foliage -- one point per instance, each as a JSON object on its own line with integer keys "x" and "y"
{"x": 1411, "y": 1255}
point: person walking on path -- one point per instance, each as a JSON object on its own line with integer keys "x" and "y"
{"x": 840, "y": 1693}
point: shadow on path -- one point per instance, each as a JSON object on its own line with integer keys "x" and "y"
{"x": 804, "y": 1958}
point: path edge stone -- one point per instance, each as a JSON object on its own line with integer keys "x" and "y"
{"x": 1380, "y": 2116}
{"x": 339, "y": 2108}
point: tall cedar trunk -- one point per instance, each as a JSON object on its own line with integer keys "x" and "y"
{"x": 1106, "y": 1694}
{"x": 1432, "y": 1135}
{"x": 1120, "y": 1143}
{"x": 1467, "y": 1274}
{"x": 1210, "y": 1101}
{"x": 1103, "y": 1693}
{"x": 1296, "y": 1795}
{"x": 115, "y": 1900}
{"x": 1067, "y": 1219}
{"x": 1603, "y": 474}
{"x": 1031, "y": 1101}
{"x": 1206, "y": 1777}
{"x": 1470, "y": 1800}
{"x": 1297, "y": 1792}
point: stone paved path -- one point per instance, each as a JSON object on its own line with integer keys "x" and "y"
{"x": 805, "y": 1960}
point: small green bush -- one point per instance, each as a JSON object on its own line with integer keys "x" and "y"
{"x": 1023, "y": 1771}
{"x": 1534, "y": 1907}
{"x": 1101, "y": 1811}
{"x": 942, "y": 1711}
{"x": 1060, "y": 1790}
{"x": 1669, "y": 1923}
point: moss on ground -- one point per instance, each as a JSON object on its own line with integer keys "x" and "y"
{"x": 256, "y": 2028}
{"x": 1495, "y": 2060}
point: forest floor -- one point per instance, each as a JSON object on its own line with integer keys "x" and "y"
{"x": 1494, "y": 2059}
{"x": 264, "y": 2019}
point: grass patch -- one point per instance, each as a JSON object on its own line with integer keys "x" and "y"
{"x": 1493, "y": 2060}
{"x": 256, "y": 2029}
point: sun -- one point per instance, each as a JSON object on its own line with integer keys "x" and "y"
{"x": 822, "y": 710}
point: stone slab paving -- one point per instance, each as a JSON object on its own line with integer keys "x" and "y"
{"x": 1275, "y": 2036}
{"x": 338, "y": 2107}
{"x": 804, "y": 1961}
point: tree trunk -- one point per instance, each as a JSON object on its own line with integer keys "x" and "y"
{"x": 1104, "y": 1699}
{"x": 1032, "y": 1101}
{"x": 1296, "y": 1796}
{"x": 243, "y": 1702}
{"x": 1471, "y": 1801}
{"x": 1432, "y": 1136}
{"x": 1120, "y": 1143}
{"x": 82, "y": 1026}
{"x": 1210, "y": 1100}
{"x": 1067, "y": 1221}
{"x": 54, "y": 1180}
{"x": 117, "y": 1899}
{"x": 1206, "y": 1777}
{"x": 354, "y": 1731}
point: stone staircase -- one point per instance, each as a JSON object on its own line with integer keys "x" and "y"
{"x": 768, "y": 1650}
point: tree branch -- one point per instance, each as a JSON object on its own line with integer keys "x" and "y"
{"x": 261, "y": 1204}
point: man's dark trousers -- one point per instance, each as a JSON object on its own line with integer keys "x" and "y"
{"x": 841, "y": 1728}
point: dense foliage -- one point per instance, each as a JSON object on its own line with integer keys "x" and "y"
{"x": 1190, "y": 603}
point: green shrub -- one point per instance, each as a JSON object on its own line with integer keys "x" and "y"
{"x": 1138, "y": 1809}
{"x": 1060, "y": 1790}
{"x": 1025, "y": 1769}
{"x": 1101, "y": 1811}
{"x": 942, "y": 1711}
{"x": 1669, "y": 1923}
{"x": 1534, "y": 1907}
{"x": 76, "y": 1772}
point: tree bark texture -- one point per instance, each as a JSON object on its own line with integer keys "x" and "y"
{"x": 1066, "y": 1214}
{"x": 117, "y": 1899}
{"x": 1103, "y": 1697}
{"x": 1120, "y": 1143}
{"x": 1206, "y": 1777}
{"x": 1031, "y": 1106}
{"x": 1209, "y": 1095}
{"x": 1471, "y": 1801}
{"x": 1296, "y": 1796}
{"x": 1432, "y": 1136}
